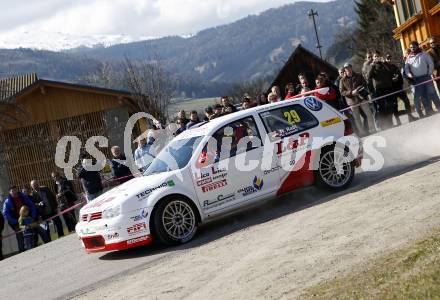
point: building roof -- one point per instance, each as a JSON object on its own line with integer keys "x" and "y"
{"x": 9, "y": 87}
{"x": 303, "y": 61}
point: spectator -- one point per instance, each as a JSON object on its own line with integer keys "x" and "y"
{"x": 304, "y": 85}
{"x": 367, "y": 64}
{"x": 47, "y": 205}
{"x": 145, "y": 152}
{"x": 209, "y": 112}
{"x": 28, "y": 225}
{"x": 11, "y": 212}
{"x": 434, "y": 52}
{"x": 181, "y": 127}
{"x": 419, "y": 67}
{"x": 342, "y": 101}
{"x": 276, "y": 90}
{"x": 64, "y": 187}
{"x": 380, "y": 77}
{"x": 351, "y": 87}
{"x": 2, "y": 226}
{"x": 66, "y": 198}
{"x": 290, "y": 91}
{"x": 246, "y": 104}
{"x": 398, "y": 87}
{"x": 193, "y": 119}
{"x": 331, "y": 97}
{"x": 228, "y": 107}
{"x": 90, "y": 180}
{"x": 262, "y": 99}
{"x": 218, "y": 111}
{"x": 272, "y": 97}
{"x": 182, "y": 116}
{"x": 120, "y": 171}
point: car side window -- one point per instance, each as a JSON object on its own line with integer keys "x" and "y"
{"x": 287, "y": 120}
{"x": 234, "y": 138}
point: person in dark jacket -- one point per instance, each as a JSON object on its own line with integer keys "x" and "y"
{"x": 91, "y": 181}
{"x": 11, "y": 212}
{"x": 380, "y": 76}
{"x": 398, "y": 86}
{"x": 66, "y": 198}
{"x": 120, "y": 172}
{"x": 47, "y": 205}
{"x": 2, "y": 226}
{"x": 194, "y": 119}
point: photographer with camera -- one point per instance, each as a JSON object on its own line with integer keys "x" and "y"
{"x": 353, "y": 87}
{"x": 380, "y": 76}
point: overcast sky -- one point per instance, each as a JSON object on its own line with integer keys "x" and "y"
{"x": 137, "y": 18}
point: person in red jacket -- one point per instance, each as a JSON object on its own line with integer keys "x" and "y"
{"x": 331, "y": 97}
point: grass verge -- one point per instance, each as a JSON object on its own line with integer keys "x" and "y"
{"x": 412, "y": 272}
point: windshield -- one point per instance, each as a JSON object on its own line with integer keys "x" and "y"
{"x": 174, "y": 156}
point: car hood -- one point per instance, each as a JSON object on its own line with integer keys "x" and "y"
{"x": 128, "y": 193}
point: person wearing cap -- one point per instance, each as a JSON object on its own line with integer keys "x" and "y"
{"x": 419, "y": 68}
{"x": 352, "y": 86}
{"x": 434, "y": 52}
{"x": 209, "y": 112}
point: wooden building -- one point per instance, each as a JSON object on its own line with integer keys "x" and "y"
{"x": 417, "y": 20}
{"x": 36, "y": 113}
{"x": 303, "y": 61}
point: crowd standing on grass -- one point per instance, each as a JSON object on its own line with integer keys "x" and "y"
{"x": 369, "y": 99}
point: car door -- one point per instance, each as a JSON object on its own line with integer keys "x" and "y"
{"x": 229, "y": 172}
{"x": 290, "y": 129}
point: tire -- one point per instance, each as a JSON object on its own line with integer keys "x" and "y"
{"x": 174, "y": 221}
{"x": 327, "y": 175}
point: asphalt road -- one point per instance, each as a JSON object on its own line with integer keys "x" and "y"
{"x": 61, "y": 269}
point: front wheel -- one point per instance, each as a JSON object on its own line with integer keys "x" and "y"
{"x": 336, "y": 169}
{"x": 175, "y": 221}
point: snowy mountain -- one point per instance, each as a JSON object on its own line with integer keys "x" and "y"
{"x": 57, "y": 41}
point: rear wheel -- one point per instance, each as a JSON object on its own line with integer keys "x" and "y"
{"x": 175, "y": 221}
{"x": 336, "y": 169}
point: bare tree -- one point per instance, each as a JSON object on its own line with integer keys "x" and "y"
{"x": 147, "y": 81}
{"x": 150, "y": 86}
{"x": 252, "y": 88}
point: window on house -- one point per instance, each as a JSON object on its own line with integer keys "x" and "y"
{"x": 407, "y": 8}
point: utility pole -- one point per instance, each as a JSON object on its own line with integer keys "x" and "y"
{"x": 312, "y": 15}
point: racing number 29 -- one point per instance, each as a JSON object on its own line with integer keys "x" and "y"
{"x": 292, "y": 116}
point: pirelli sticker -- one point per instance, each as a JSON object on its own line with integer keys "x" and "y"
{"x": 331, "y": 122}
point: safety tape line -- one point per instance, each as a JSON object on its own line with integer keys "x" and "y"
{"x": 387, "y": 95}
{"x": 48, "y": 219}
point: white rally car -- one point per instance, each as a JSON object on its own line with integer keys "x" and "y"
{"x": 221, "y": 166}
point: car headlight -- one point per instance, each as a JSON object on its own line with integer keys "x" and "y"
{"x": 111, "y": 212}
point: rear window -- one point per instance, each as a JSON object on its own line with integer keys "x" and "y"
{"x": 287, "y": 120}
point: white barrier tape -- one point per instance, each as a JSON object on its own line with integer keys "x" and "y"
{"x": 387, "y": 95}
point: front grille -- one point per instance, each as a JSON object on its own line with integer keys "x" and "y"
{"x": 91, "y": 217}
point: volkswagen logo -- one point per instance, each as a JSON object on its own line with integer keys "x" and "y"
{"x": 313, "y": 104}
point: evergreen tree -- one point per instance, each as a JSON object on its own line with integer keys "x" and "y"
{"x": 375, "y": 29}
